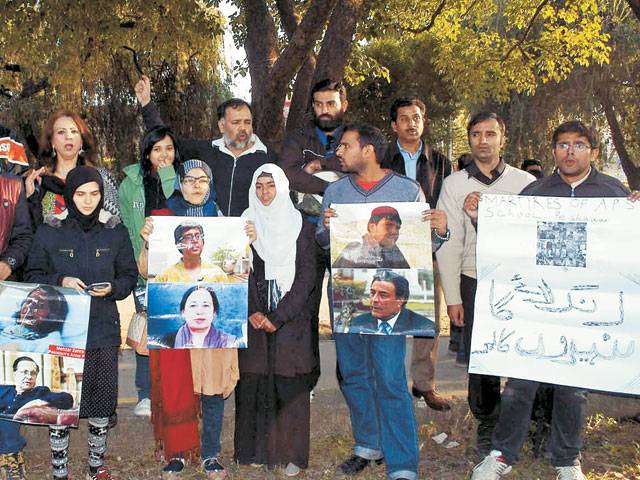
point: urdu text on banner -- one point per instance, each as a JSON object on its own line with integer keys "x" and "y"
{"x": 558, "y": 296}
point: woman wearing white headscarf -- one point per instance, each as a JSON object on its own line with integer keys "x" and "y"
{"x": 278, "y": 370}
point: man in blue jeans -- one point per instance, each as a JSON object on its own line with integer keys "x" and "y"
{"x": 374, "y": 382}
{"x": 574, "y": 149}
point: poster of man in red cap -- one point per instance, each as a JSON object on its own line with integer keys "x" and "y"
{"x": 382, "y": 269}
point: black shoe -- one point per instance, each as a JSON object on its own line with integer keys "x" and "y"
{"x": 355, "y": 464}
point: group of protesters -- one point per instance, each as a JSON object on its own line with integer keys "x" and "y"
{"x": 65, "y": 222}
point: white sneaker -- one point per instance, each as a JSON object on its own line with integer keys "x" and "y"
{"x": 292, "y": 470}
{"x": 493, "y": 467}
{"x": 570, "y": 473}
{"x": 143, "y": 408}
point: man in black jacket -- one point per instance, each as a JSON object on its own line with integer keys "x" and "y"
{"x": 313, "y": 147}
{"x": 15, "y": 222}
{"x": 575, "y": 148}
{"x": 410, "y": 155}
{"x": 232, "y": 158}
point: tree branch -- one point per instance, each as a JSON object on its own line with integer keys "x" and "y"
{"x": 288, "y": 16}
{"x": 338, "y": 39}
{"x": 519, "y": 43}
{"x": 431, "y": 22}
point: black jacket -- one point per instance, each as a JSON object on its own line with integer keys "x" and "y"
{"x": 231, "y": 177}
{"x": 102, "y": 254}
{"x": 597, "y": 184}
{"x": 289, "y": 350}
{"x": 299, "y": 149}
{"x": 432, "y": 168}
{"x": 15, "y": 223}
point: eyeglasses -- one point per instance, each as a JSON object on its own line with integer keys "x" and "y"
{"x": 196, "y": 237}
{"x": 27, "y": 373}
{"x": 189, "y": 180}
{"x": 577, "y": 147}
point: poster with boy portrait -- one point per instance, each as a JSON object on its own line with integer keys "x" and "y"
{"x": 198, "y": 283}
{"x": 380, "y": 235}
{"x": 40, "y": 389}
{"x": 43, "y": 319}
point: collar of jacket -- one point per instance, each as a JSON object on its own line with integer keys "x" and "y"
{"x": 257, "y": 146}
{"x": 106, "y": 218}
{"x": 556, "y": 179}
{"x": 395, "y": 150}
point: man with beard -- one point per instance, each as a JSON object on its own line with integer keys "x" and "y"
{"x": 309, "y": 154}
{"x": 232, "y": 158}
{"x": 313, "y": 148}
{"x": 410, "y": 155}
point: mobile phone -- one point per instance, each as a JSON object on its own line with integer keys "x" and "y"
{"x": 96, "y": 286}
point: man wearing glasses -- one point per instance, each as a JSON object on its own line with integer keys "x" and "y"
{"x": 575, "y": 148}
{"x": 189, "y": 239}
{"x": 232, "y": 158}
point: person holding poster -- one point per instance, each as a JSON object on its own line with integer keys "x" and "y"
{"x": 146, "y": 187}
{"x": 457, "y": 259}
{"x": 92, "y": 254}
{"x": 279, "y": 368}
{"x": 372, "y": 366}
{"x": 176, "y": 374}
{"x": 574, "y": 148}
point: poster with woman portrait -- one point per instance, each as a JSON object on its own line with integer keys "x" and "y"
{"x": 43, "y": 319}
{"x": 40, "y": 389}
{"x": 197, "y": 294}
{"x": 202, "y": 315}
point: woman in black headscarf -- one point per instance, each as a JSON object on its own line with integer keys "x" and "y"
{"x": 88, "y": 250}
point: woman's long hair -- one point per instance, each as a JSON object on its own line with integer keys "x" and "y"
{"x": 152, "y": 137}
{"x": 89, "y": 155}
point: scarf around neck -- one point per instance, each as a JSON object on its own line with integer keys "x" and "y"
{"x": 277, "y": 227}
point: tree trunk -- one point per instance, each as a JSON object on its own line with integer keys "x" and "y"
{"x": 338, "y": 39}
{"x": 300, "y": 100}
{"x": 631, "y": 171}
{"x": 635, "y": 6}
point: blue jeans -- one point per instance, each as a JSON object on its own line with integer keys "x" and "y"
{"x": 212, "y": 414}
{"x": 143, "y": 377}
{"x": 567, "y": 421}
{"x": 10, "y": 439}
{"x": 143, "y": 372}
{"x": 374, "y": 385}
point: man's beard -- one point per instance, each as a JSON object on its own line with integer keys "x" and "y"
{"x": 328, "y": 124}
{"x": 229, "y": 142}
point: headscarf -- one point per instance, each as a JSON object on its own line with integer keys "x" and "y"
{"x": 75, "y": 178}
{"x": 180, "y": 206}
{"x": 277, "y": 227}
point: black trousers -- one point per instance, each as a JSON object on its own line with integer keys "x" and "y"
{"x": 484, "y": 390}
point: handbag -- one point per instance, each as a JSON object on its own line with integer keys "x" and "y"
{"x": 137, "y": 333}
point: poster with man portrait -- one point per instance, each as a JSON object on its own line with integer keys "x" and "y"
{"x": 383, "y": 301}
{"x": 381, "y": 235}
{"x": 198, "y": 283}
{"x": 40, "y": 389}
{"x": 43, "y": 319}
{"x": 558, "y": 289}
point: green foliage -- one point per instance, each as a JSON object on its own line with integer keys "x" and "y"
{"x": 73, "y": 55}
